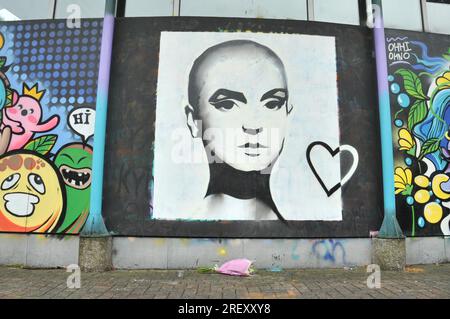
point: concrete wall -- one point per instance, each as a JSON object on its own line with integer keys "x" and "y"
{"x": 175, "y": 253}
{"x": 427, "y": 250}
{"x": 38, "y": 250}
{"x": 181, "y": 253}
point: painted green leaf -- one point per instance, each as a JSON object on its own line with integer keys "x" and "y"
{"x": 417, "y": 113}
{"x": 2, "y": 61}
{"x": 408, "y": 190}
{"x": 42, "y": 144}
{"x": 412, "y": 84}
{"x": 412, "y": 151}
{"x": 430, "y": 146}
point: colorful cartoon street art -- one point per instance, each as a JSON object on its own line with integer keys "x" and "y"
{"x": 45, "y": 158}
{"x": 24, "y": 118}
{"x": 420, "y": 99}
{"x": 8, "y": 97}
{"x": 74, "y": 163}
{"x": 31, "y": 193}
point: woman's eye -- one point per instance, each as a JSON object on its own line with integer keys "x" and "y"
{"x": 31, "y": 111}
{"x": 225, "y": 105}
{"x": 10, "y": 181}
{"x": 19, "y": 106}
{"x": 274, "y": 104}
{"x": 37, "y": 183}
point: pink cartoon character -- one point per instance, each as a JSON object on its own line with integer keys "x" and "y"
{"x": 24, "y": 117}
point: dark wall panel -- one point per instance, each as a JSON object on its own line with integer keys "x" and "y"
{"x": 131, "y": 132}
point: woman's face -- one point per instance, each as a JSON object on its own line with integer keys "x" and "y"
{"x": 243, "y": 108}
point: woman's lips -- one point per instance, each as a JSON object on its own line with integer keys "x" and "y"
{"x": 252, "y": 149}
{"x": 252, "y": 145}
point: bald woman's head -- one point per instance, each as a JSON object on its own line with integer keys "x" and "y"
{"x": 228, "y": 63}
{"x": 238, "y": 89}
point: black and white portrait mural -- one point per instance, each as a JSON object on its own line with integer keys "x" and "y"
{"x": 247, "y": 128}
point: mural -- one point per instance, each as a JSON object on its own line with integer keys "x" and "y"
{"x": 330, "y": 190}
{"x": 264, "y": 139}
{"x": 235, "y": 114}
{"x": 420, "y": 99}
{"x": 48, "y": 81}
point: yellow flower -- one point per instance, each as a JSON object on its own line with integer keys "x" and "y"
{"x": 405, "y": 140}
{"x": 439, "y": 179}
{"x": 422, "y": 196}
{"x": 402, "y": 179}
{"x": 444, "y": 80}
{"x": 422, "y": 181}
{"x": 433, "y": 212}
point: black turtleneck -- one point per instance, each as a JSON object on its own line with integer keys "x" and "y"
{"x": 224, "y": 179}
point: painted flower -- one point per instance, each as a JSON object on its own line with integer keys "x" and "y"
{"x": 405, "y": 140}
{"x": 423, "y": 195}
{"x": 422, "y": 181}
{"x": 433, "y": 212}
{"x": 403, "y": 181}
{"x": 439, "y": 185}
{"x": 443, "y": 81}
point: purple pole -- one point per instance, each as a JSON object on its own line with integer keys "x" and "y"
{"x": 95, "y": 225}
{"x": 390, "y": 227}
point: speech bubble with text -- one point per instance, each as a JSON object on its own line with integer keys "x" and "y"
{"x": 82, "y": 121}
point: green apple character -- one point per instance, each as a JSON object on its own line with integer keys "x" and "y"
{"x": 74, "y": 162}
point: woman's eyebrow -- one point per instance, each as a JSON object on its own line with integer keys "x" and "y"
{"x": 272, "y": 94}
{"x": 224, "y": 94}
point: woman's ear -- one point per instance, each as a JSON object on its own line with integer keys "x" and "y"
{"x": 191, "y": 122}
{"x": 289, "y": 108}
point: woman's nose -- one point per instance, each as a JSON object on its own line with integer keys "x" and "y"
{"x": 252, "y": 131}
{"x": 24, "y": 112}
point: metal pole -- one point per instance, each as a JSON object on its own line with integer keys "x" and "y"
{"x": 95, "y": 225}
{"x": 52, "y": 9}
{"x": 424, "y": 12}
{"x": 390, "y": 227}
{"x": 176, "y": 8}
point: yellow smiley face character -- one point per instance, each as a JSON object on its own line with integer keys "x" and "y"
{"x": 31, "y": 196}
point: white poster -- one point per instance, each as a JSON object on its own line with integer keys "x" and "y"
{"x": 247, "y": 127}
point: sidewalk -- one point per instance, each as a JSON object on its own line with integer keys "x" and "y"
{"x": 431, "y": 281}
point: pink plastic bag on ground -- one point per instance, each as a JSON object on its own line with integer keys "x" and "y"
{"x": 236, "y": 267}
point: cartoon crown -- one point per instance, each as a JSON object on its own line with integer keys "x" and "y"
{"x": 33, "y": 92}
